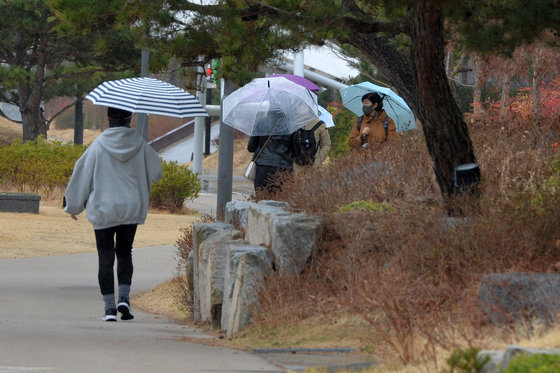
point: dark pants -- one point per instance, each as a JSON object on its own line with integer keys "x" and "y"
{"x": 106, "y": 251}
{"x": 265, "y": 178}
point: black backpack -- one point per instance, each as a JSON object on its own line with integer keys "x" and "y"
{"x": 304, "y": 145}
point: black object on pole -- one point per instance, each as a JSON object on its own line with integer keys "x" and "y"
{"x": 466, "y": 181}
{"x": 466, "y": 178}
{"x": 207, "y": 125}
{"x": 79, "y": 121}
{"x": 225, "y": 159}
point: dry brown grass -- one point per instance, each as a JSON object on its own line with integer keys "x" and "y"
{"x": 412, "y": 273}
{"x": 68, "y": 135}
{"x": 162, "y": 300}
{"x": 9, "y": 131}
{"x": 241, "y": 157}
{"x": 53, "y": 232}
{"x": 402, "y": 285}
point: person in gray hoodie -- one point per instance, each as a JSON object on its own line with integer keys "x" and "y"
{"x": 112, "y": 182}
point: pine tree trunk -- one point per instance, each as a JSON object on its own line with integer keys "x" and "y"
{"x": 446, "y": 133}
{"x": 421, "y": 80}
{"x": 30, "y": 95}
{"x": 33, "y": 123}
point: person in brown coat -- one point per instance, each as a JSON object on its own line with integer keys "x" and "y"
{"x": 374, "y": 127}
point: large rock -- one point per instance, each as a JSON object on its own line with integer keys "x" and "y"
{"x": 234, "y": 254}
{"x": 236, "y": 213}
{"x": 294, "y": 238}
{"x": 506, "y": 297}
{"x": 208, "y": 259}
{"x": 500, "y": 360}
{"x": 251, "y": 272}
{"x": 200, "y": 232}
{"x": 273, "y": 203}
{"x": 259, "y": 219}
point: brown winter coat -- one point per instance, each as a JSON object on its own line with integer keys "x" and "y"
{"x": 376, "y": 133}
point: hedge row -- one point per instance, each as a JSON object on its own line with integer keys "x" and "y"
{"x": 42, "y": 165}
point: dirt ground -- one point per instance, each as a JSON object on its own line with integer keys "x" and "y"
{"x": 53, "y": 232}
{"x": 10, "y": 130}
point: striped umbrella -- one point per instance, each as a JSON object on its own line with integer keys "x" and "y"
{"x": 149, "y": 96}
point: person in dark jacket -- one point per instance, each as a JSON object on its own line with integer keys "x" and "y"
{"x": 272, "y": 155}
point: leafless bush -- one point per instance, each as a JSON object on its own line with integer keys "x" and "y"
{"x": 183, "y": 294}
{"x": 413, "y": 272}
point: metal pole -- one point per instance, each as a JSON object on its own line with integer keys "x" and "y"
{"x": 79, "y": 121}
{"x": 199, "y": 125}
{"x": 142, "y": 119}
{"x": 298, "y": 64}
{"x": 225, "y": 158}
{"x": 207, "y": 125}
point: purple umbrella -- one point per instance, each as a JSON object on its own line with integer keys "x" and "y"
{"x": 298, "y": 80}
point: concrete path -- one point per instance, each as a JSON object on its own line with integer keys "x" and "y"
{"x": 50, "y": 321}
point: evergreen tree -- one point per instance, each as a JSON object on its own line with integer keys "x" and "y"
{"x": 45, "y": 58}
{"x": 404, "y": 39}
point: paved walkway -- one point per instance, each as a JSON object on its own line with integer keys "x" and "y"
{"x": 51, "y": 309}
{"x": 50, "y": 321}
{"x": 207, "y": 201}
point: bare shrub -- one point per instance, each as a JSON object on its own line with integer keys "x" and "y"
{"x": 183, "y": 294}
{"x": 413, "y": 272}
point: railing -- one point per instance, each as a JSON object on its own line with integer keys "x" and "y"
{"x": 173, "y": 136}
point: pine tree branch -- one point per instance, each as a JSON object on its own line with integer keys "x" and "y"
{"x": 55, "y": 115}
{"x": 356, "y": 22}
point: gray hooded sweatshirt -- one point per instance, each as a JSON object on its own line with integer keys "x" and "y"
{"x": 113, "y": 178}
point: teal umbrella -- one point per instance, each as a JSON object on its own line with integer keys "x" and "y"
{"x": 393, "y": 104}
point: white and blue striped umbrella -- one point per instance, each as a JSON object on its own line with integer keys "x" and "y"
{"x": 149, "y": 96}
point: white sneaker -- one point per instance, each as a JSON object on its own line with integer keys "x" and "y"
{"x": 110, "y": 315}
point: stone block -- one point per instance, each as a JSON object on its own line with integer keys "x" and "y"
{"x": 19, "y": 202}
{"x": 506, "y": 297}
{"x": 200, "y": 232}
{"x": 259, "y": 217}
{"x": 236, "y": 213}
{"x": 294, "y": 238}
{"x": 235, "y": 252}
{"x": 211, "y": 270}
{"x": 500, "y": 360}
{"x": 251, "y": 272}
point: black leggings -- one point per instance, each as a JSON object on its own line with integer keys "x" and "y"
{"x": 106, "y": 251}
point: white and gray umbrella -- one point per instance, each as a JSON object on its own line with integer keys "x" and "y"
{"x": 149, "y": 96}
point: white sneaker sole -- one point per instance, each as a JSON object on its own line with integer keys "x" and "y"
{"x": 109, "y": 318}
